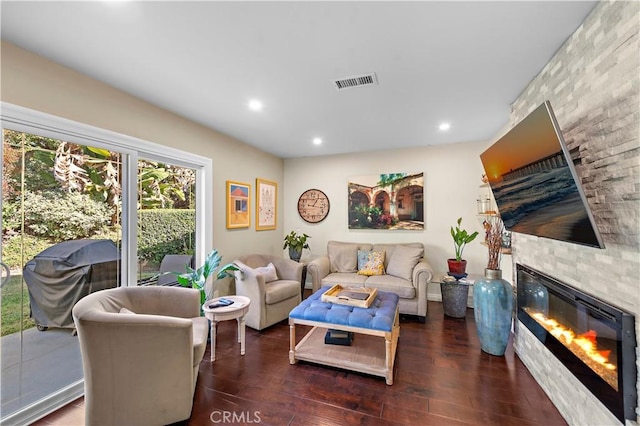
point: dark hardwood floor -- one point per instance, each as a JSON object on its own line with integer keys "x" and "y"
{"x": 441, "y": 378}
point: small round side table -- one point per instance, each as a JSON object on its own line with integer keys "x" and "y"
{"x": 235, "y": 311}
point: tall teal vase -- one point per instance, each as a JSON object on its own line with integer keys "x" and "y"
{"x": 493, "y": 310}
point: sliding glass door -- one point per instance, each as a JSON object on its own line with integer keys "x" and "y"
{"x": 61, "y": 238}
{"x": 83, "y": 209}
{"x": 166, "y": 221}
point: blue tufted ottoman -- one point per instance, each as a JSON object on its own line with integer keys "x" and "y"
{"x": 366, "y": 354}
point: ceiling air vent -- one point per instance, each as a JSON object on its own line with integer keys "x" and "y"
{"x": 356, "y": 81}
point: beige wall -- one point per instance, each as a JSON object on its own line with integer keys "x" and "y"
{"x": 451, "y": 187}
{"x": 33, "y": 82}
{"x": 452, "y": 173}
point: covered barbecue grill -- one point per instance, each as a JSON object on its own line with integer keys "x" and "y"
{"x": 64, "y": 273}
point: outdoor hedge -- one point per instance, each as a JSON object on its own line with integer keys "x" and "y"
{"x": 162, "y": 231}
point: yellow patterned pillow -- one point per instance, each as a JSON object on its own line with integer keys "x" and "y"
{"x": 370, "y": 263}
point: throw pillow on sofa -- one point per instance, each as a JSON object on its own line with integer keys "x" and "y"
{"x": 269, "y": 272}
{"x": 403, "y": 260}
{"x": 343, "y": 257}
{"x": 370, "y": 263}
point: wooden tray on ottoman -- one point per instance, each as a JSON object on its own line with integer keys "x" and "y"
{"x": 362, "y": 297}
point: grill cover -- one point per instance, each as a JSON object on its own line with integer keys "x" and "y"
{"x": 64, "y": 273}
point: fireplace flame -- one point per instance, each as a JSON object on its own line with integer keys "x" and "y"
{"x": 584, "y": 346}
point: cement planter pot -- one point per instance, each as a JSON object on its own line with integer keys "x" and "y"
{"x": 454, "y": 298}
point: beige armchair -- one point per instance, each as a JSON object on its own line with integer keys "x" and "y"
{"x": 141, "y": 350}
{"x": 271, "y": 300}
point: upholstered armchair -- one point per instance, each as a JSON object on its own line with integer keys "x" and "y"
{"x": 272, "y": 296}
{"x": 141, "y": 350}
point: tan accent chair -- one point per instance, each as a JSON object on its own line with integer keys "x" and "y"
{"x": 141, "y": 350}
{"x": 271, "y": 301}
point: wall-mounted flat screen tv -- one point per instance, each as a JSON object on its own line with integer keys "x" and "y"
{"x": 535, "y": 185}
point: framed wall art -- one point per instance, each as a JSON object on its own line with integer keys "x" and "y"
{"x": 387, "y": 201}
{"x": 266, "y": 204}
{"x": 238, "y": 205}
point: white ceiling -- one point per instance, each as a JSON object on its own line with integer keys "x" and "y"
{"x": 461, "y": 62}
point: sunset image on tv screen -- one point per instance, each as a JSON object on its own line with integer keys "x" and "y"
{"x": 534, "y": 185}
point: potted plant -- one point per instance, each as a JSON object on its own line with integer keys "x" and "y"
{"x": 296, "y": 243}
{"x": 197, "y": 278}
{"x": 454, "y": 292}
{"x": 461, "y": 238}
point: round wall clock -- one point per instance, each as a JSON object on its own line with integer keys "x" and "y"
{"x": 313, "y": 205}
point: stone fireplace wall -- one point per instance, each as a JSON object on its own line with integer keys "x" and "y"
{"x": 593, "y": 84}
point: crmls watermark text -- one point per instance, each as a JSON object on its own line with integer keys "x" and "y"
{"x": 235, "y": 417}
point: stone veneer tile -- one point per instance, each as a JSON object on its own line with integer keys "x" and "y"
{"x": 593, "y": 84}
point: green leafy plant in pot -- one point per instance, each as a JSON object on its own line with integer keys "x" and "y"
{"x": 296, "y": 243}
{"x": 457, "y": 265}
{"x": 197, "y": 278}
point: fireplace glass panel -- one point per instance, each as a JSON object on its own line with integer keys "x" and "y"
{"x": 594, "y": 340}
{"x": 588, "y": 334}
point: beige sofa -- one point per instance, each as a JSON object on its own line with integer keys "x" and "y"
{"x": 406, "y": 272}
{"x": 141, "y": 351}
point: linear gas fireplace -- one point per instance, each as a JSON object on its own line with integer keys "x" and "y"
{"x": 594, "y": 340}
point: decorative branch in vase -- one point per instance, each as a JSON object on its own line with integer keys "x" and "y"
{"x": 493, "y": 298}
{"x": 494, "y": 241}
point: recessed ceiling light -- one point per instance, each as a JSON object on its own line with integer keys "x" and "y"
{"x": 255, "y": 105}
{"x": 444, "y": 126}
{"x": 115, "y": 3}
{"x": 317, "y": 141}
